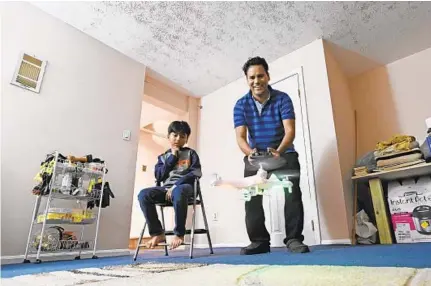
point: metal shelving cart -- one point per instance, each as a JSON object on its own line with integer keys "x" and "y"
{"x": 69, "y": 181}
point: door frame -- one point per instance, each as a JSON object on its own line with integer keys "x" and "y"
{"x": 298, "y": 73}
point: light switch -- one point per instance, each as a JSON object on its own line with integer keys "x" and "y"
{"x": 126, "y": 135}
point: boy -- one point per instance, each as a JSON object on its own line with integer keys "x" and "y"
{"x": 177, "y": 169}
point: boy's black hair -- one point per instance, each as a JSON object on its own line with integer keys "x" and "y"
{"x": 180, "y": 127}
{"x": 256, "y": 61}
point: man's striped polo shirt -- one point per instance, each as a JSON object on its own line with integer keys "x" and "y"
{"x": 265, "y": 124}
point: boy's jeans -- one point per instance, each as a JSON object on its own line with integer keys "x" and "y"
{"x": 150, "y": 196}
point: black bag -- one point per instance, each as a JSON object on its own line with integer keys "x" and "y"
{"x": 426, "y": 149}
{"x": 45, "y": 174}
{"x": 107, "y": 195}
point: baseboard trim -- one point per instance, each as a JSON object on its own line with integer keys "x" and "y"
{"x": 336, "y": 241}
{"x": 64, "y": 255}
{"x": 346, "y": 241}
{"x": 220, "y": 245}
{"x": 243, "y": 244}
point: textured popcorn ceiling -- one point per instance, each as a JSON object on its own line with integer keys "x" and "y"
{"x": 202, "y": 45}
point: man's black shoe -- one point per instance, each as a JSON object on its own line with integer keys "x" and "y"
{"x": 297, "y": 246}
{"x": 256, "y": 248}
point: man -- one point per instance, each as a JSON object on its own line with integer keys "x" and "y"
{"x": 268, "y": 116}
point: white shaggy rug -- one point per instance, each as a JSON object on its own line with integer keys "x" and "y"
{"x": 226, "y": 275}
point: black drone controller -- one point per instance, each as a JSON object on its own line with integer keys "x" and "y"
{"x": 266, "y": 160}
{"x": 261, "y": 155}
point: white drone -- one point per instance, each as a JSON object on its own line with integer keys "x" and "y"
{"x": 255, "y": 185}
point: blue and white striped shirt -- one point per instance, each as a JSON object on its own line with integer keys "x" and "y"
{"x": 265, "y": 128}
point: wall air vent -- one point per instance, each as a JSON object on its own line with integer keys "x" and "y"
{"x": 29, "y": 73}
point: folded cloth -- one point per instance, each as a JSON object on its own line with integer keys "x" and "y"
{"x": 398, "y": 154}
{"x": 398, "y": 166}
{"x": 400, "y": 142}
{"x": 396, "y": 148}
{"x": 400, "y": 159}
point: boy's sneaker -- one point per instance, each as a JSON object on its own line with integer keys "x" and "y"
{"x": 297, "y": 246}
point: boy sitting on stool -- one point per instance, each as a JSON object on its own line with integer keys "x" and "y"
{"x": 177, "y": 168}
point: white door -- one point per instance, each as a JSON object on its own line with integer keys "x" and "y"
{"x": 274, "y": 203}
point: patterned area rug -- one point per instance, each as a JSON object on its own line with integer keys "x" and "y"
{"x": 226, "y": 275}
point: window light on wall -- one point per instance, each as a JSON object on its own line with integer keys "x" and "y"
{"x": 29, "y": 73}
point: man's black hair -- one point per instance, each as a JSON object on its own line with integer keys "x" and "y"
{"x": 256, "y": 61}
{"x": 179, "y": 127}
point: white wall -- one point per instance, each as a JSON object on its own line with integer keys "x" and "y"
{"x": 90, "y": 94}
{"x": 393, "y": 99}
{"x": 219, "y": 152}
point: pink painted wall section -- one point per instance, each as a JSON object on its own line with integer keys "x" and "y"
{"x": 148, "y": 150}
{"x": 152, "y": 113}
{"x": 160, "y": 103}
{"x": 165, "y": 94}
{"x": 343, "y": 114}
{"x": 165, "y": 97}
{"x": 393, "y": 99}
{"x": 193, "y": 119}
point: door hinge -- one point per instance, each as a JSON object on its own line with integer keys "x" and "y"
{"x": 312, "y": 225}
{"x": 299, "y": 92}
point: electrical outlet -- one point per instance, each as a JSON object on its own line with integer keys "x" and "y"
{"x": 215, "y": 216}
{"x": 126, "y": 135}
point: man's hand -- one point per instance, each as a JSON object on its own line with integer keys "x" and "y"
{"x": 289, "y": 135}
{"x": 251, "y": 153}
{"x": 168, "y": 196}
{"x": 274, "y": 152}
{"x": 241, "y": 134}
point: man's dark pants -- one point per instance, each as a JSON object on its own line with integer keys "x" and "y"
{"x": 293, "y": 208}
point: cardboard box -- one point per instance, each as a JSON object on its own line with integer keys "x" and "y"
{"x": 410, "y": 208}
